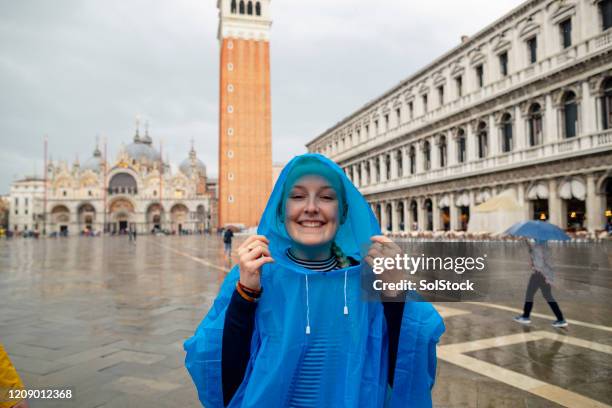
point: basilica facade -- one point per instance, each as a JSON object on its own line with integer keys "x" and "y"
{"x": 137, "y": 191}
{"x": 524, "y": 105}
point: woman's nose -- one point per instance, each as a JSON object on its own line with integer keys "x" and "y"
{"x": 311, "y": 205}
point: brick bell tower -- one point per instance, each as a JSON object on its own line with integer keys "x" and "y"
{"x": 245, "y": 131}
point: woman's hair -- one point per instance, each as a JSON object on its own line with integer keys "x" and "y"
{"x": 342, "y": 259}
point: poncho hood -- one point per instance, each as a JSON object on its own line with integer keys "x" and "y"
{"x": 354, "y": 232}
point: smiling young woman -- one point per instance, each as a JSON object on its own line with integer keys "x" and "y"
{"x": 289, "y": 327}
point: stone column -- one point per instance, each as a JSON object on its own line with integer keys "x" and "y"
{"x": 554, "y": 205}
{"x": 470, "y": 142}
{"x": 421, "y": 214}
{"x": 587, "y": 118}
{"x": 451, "y": 148}
{"x": 394, "y": 167}
{"x": 521, "y": 198}
{"x": 394, "y": 217}
{"x": 383, "y": 216}
{"x": 434, "y": 152}
{"x": 407, "y": 221}
{"x": 372, "y": 171}
{"x": 405, "y": 162}
{"x": 519, "y": 137}
{"x": 594, "y": 212}
{"x": 383, "y": 168}
{"x": 550, "y": 121}
{"x": 493, "y": 138}
{"x": 363, "y": 180}
{"x": 453, "y": 211}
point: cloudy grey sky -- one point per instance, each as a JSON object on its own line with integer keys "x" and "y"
{"x": 74, "y": 69}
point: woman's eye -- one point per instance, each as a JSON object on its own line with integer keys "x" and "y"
{"x": 296, "y": 196}
{"x": 327, "y": 197}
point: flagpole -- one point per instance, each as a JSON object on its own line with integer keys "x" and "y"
{"x": 44, "y": 229}
{"x": 104, "y": 186}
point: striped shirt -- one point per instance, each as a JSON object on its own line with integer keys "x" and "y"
{"x": 325, "y": 265}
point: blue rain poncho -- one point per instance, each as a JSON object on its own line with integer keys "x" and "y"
{"x": 343, "y": 360}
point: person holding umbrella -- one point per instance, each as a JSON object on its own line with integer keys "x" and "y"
{"x": 542, "y": 277}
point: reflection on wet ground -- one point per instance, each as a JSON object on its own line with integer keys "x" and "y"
{"x": 107, "y": 317}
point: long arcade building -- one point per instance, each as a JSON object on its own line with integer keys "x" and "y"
{"x": 523, "y": 105}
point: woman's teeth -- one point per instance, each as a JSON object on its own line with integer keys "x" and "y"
{"x": 311, "y": 224}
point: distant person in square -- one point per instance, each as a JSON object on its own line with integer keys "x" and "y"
{"x": 228, "y": 234}
{"x": 290, "y": 328}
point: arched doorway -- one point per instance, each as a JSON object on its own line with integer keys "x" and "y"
{"x": 428, "y": 206}
{"x": 87, "y": 217}
{"x": 154, "y": 217}
{"x": 414, "y": 212}
{"x": 573, "y": 193}
{"x": 400, "y": 215}
{"x": 60, "y": 217}
{"x": 201, "y": 217}
{"x": 179, "y": 216}
{"x": 538, "y": 201}
{"x": 121, "y": 213}
{"x": 607, "y": 191}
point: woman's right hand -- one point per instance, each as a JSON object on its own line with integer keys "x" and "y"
{"x": 252, "y": 254}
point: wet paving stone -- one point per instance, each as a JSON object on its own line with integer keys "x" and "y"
{"x": 107, "y": 317}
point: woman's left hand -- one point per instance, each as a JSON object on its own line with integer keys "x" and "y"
{"x": 383, "y": 247}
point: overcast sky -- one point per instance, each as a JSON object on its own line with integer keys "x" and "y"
{"x": 74, "y": 69}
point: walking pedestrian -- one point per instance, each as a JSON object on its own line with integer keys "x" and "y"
{"x": 541, "y": 279}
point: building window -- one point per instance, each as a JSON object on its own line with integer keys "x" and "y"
{"x": 376, "y": 127}
{"x": 506, "y": 130}
{"x": 425, "y": 103}
{"x": 257, "y": 9}
{"x": 441, "y": 94}
{"x": 16, "y": 211}
{"x": 459, "y": 84}
{"x": 387, "y": 167}
{"x": 16, "y": 201}
{"x": 480, "y": 75}
{"x": 565, "y": 27}
{"x": 398, "y": 116}
{"x": 483, "y": 144}
{"x": 233, "y": 7}
{"x": 606, "y": 102}
{"x": 412, "y": 156}
{"x": 64, "y": 193}
{"x": 535, "y": 124}
{"x": 386, "y": 122}
{"x": 26, "y": 201}
{"x": 400, "y": 163}
{"x": 411, "y": 109}
{"x": 241, "y": 6}
{"x": 377, "y": 167}
{"x": 605, "y": 8}
{"x": 250, "y": 8}
{"x": 503, "y": 64}
{"x": 442, "y": 151}
{"x": 461, "y": 146}
{"x": 570, "y": 114}
{"x": 26, "y": 211}
{"x": 426, "y": 155}
{"x": 367, "y": 131}
{"x": 532, "y": 49}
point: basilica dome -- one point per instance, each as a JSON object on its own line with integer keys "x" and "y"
{"x": 192, "y": 163}
{"x": 142, "y": 149}
{"x": 94, "y": 163}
